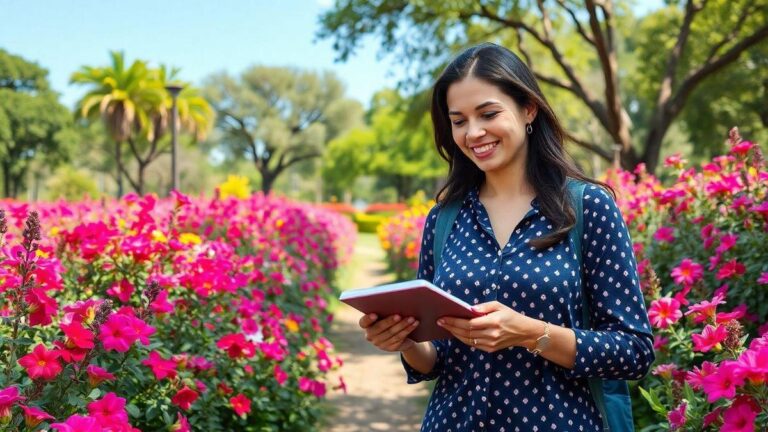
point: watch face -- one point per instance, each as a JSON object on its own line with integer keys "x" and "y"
{"x": 542, "y": 343}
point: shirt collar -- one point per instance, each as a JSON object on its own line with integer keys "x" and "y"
{"x": 474, "y": 198}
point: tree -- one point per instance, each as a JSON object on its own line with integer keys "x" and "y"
{"x": 135, "y": 108}
{"x": 428, "y": 31}
{"x": 278, "y": 117}
{"x": 32, "y": 121}
{"x": 398, "y": 155}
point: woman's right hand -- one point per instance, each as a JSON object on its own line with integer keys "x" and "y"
{"x": 390, "y": 333}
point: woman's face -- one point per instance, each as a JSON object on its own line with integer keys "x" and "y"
{"x": 488, "y": 125}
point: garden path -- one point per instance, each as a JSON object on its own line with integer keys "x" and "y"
{"x": 378, "y": 398}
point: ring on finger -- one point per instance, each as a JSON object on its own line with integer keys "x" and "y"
{"x": 474, "y": 342}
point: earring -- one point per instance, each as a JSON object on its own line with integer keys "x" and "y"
{"x": 528, "y": 128}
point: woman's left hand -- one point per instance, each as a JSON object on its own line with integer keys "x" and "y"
{"x": 500, "y": 327}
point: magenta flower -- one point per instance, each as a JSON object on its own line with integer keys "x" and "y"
{"x": 33, "y": 416}
{"x": 240, "y": 404}
{"x": 731, "y": 269}
{"x": 122, "y": 290}
{"x": 763, "y": 279}
{"x": 709, "y": 338}
{"x": 77, "y": 423}
{"x": 237, "y": 346}
{"x": 687, "y": 273}
{"x": 676, "y": 417}
{"x": 722, "y": 382}
{"x": 753, "y": 364}
{"x": 664, "y": 312}
{"x": 161, "y": 304}
{"x": 695, "y": 378}
{"x": 97, "y": 375}
{"x": 664, "y": 235}
{"x": 41, "y": 307}
{"x": 41, "y": 363}
{"x": 740, "y": 416}
{"x": 181, "y": 425}
{"x": 280, "y": 375}
{"x": 726, "y": 242}
{"x": 109, "y": 410}
{"x": 161, "y": 367}
{"x": 706, "y": 309}
{"x": 9, "y": 397}
{"x": 116, "y": 334}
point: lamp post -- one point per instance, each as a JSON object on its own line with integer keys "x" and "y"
{"x": 174, "y": 90}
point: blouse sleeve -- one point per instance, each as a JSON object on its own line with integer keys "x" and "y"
{"x": 427, "y": 271}
{"x": 620, "y": 346}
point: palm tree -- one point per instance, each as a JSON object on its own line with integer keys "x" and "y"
{"x": 121, "y": 98}
{"x": 135, "y": 108}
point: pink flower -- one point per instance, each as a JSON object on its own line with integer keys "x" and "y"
{"x": 675, "y": 161}
{"x": 722, "y": 382}
{"x": 761, "y": 209}
{"x": 184, "y": 398}
{"x": 116, "y": 333}
{"x": 109, "y": 410}
{"x": 308, "y": 385}
{"x": 726, "y": 242}
{"x": 240, "y": 404}
{"x": 665, "y": 370}
{"x": 142, "y": 330}
{"x": 237, "y": 346}
{"x": 706, "y": 309}
{"x": 659, "y": 342}
{"x": 753, "y": 364}
{"x": 41, "y": 363}
{"x": 77, "y": 423}
{"x": 709, "y": 338}
{"x": 161, "y": 367}
{"x": 181, "y": 425}
{"x": 763, "y": 279}
{"x": 741, "y": 148}
{"x": 676, "y": 417}
{"x": 122, "y": 290}
{"x": 664, "y": 235}
{"x": 9, "y": 396}
{"x": 695, "y": 378}
{"x": 97, "y": 375}
{"x": 687, "y": 273}
{"x": 664, "y": 312}
{"x": 280, "y": 375}
{"x": 33, "y": 416}
{"x": 731, "y": 269}
{"x": 740, "y": 416}
{"x": 161, "y": 304}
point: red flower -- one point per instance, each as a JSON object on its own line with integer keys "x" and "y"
{"x": 161, "y": 367}
{"x": 41, "y": 307}
{"x": 77, "y": 335}
{"x": 241, "y": 404}
{"x": 184, "y": 398}
{"x": 41, "y": 363}
{"x": 237, "y": 346}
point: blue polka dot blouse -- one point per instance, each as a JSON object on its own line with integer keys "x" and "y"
{"x": 511, "y": 389}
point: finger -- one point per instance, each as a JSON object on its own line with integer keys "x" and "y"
{"x": 395, "y": 333}
{"x": 382, "y": 325}
{"x": 459, "y": 327}
{"x": 488, "y": 307}
{"x": 367, "y": 320}
{"x": 484, "y": 322}
{"x": 397, "y": 340}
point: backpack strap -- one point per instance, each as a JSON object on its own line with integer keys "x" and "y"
{"x": 446, "y": 216}
{"x": 576, "y": 191}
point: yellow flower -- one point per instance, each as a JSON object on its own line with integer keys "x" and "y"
{"x": 291, "y": 325}
{"x": 189, "y": 238}
{"x": 235, "y": 186}
{"x": 159, "y": 237}
{"x": 42, "y": 254}
{"x": 279, "y": 223}
{"x": 54, "y": 231}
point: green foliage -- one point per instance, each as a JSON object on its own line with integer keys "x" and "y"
{"x": 279, "y": 117}
{"x": 71, "y": 185}
{"x": 32, "y": 121}
{"x": 394, "y": 148}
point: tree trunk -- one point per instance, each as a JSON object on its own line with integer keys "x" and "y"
{"x": 267, "y": 181}
{"x": 119, "y": 163}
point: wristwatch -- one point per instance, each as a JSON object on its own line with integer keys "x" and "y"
{"x": 542, "y": 342}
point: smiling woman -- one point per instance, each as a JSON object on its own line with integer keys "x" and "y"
{"x": 562, "y": 324}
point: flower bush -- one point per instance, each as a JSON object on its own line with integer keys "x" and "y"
{"x": 400, "y": 237}
{"x": 171, "y": 314}
{"x": 701, "y": 245}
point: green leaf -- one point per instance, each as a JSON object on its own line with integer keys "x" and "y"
{"x": 133, "y": 410}
{"x": 94, "y": 394}
{"x": 653, "y": 400}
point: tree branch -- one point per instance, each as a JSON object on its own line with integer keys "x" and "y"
{"x": 745, "y": 13}
{"x": 592, "y": 147}
{"x": 577, "y": 23}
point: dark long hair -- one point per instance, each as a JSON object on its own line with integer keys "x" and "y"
{"x": 547, "y": 165}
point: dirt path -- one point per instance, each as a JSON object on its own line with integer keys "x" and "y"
{"x": 377, "y": 399}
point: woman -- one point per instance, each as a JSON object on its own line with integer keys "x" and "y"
{"x": 524, "y": 364}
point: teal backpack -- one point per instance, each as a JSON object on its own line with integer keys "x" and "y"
{"x": 611, "y": 396}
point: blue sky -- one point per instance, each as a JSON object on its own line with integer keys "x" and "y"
{"x": 199, "y": 36}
